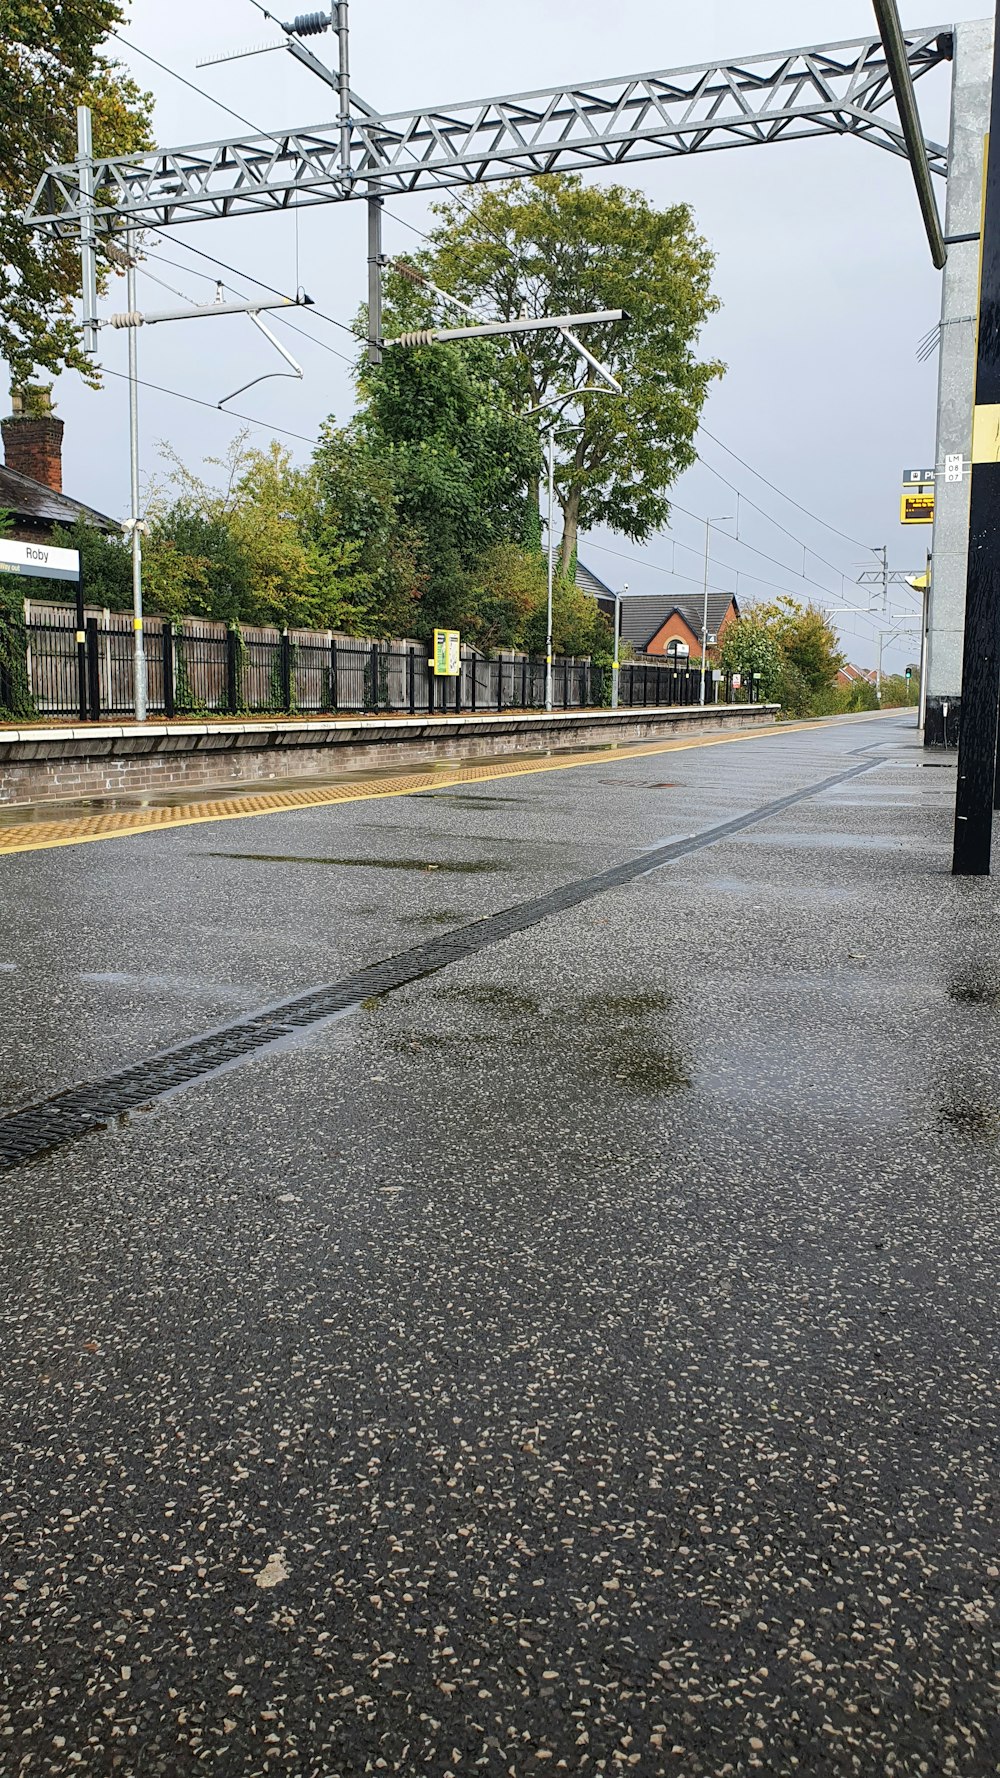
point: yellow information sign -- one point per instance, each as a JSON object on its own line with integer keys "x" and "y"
{"x": 917, "y": 509}
{"x": 447, "y": 654}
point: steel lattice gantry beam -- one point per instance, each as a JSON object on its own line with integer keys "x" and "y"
{"x": 837, "y": 89}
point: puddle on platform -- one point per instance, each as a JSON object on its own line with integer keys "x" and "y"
{"x": 467, "y": 799}
{"x": 974, "y": 991}
{"x": 604, "y": 1037}
{"x": 505, "y": 1000}
{"x": 964, "y": 1117}
{"x": 465, "y": 867}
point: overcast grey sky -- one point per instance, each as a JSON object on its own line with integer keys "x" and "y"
{"x": 823, "y": 272}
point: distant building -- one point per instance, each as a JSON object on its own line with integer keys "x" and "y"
{"x": 850, "y": 675}
{"x": 31, "y": 476}
{"x": 663, "y": 624}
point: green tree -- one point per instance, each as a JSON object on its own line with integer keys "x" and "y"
{"x": 749, "y": 646}
{"x": 898, "y": 691}
{"x": 105, "y": 561}
{"x": 354, "y": 502}
{"x": 553, "y": 245}
{"x": 807, "y": 639}
{"x": 249, "y": 547}
{"x": 457, "y": 460}
{"x": 579, "y": 626}
{"x": 51, "y": 62}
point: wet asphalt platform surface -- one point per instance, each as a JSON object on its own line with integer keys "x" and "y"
{"x": 583, "y": 1358}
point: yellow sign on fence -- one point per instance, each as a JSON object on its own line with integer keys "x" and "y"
{"x": 917, "y": 509}
{"x": 447, "y": 654}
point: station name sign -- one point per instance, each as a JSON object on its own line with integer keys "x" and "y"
{"x": 40, "y": 561}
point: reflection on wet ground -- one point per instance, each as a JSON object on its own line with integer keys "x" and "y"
{"x": 966, "y": 1117}
{"x": 611, "y": 1037}
{"x": 465, "y": 867}
{"x": 974, "y": 991}
{"x": 445, "y": 764}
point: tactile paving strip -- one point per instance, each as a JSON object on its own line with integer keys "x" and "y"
{"x": 37, "y": 1128}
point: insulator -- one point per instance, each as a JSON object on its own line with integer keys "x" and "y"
{"x": 116, "y": 254}
{"x": 425, "y": 337}
{"x": 131, "y": 318}
{"x": 309, "y": 24}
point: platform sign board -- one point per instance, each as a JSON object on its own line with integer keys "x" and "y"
{"x": 447, "y": 654}
{"x": 916, "y": 509}
{"x": 39, "y": 561}
{"x": 918, "y": 478}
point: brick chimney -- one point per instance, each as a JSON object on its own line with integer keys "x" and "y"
{"x": 32, "y": 437}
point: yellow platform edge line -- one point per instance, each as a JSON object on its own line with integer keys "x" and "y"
{"x": 134, "y": 822}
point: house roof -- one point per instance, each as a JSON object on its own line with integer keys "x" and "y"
{"x": 24, "y": 498}
{"x": 644, "y": 614}
{"x": 588, "y": 582}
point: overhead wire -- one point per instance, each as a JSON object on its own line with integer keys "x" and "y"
{"x": 277, "y": 314}
{"x": 781, "y": 493}
{"x": 202, "y": 94}
{"x": 273, "y": 137}
{"x": 457, "y": 199}
{"x": 724, "y": 592}
{"x": 196, "y": 401}
{"x": 835, "y": 568}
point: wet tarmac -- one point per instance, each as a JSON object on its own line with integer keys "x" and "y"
{"x": 583, "y": 1357}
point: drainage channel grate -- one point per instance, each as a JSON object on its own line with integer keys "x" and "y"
{"x": 51, "y": 1122}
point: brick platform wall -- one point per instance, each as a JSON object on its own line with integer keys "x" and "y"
{"x": 36, "y": 767}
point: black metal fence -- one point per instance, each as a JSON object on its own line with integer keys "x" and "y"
{"x": 192, "y": 672}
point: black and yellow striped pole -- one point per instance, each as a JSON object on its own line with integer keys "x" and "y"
{"x": 977, "y": 746}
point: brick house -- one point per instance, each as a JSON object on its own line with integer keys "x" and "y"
{"x": 663, "y": 625}
{"x": 849, "y": 675}
{"x": 31, "y": 475}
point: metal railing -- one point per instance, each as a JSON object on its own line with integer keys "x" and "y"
{"x": 196, "y": 673}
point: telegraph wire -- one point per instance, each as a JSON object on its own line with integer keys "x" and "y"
{"x": 470, "y": 211}
{"x": 277, "y": 314}
{"x": 781, "y": 493}
{"x": 230, "y": 412}
{"x": 134, "y": 47}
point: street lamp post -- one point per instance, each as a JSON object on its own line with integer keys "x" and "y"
{"x": 617, "y": 647}
{"x": 704, "y": 612}
{"x": 551, "y": 567}
{"x": 140, "y": 679}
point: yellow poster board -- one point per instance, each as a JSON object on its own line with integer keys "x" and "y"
{"x": 917, "y": 509}
{"x": 447, "y": 654}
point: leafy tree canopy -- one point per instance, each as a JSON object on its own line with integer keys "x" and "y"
{"x": 794, "y": 648}
{"x": 50, "y": 62}
{"x": 459, "y": 462}
{"x": 807, "y": 638}
{"x": 553, "y": 245}
{"x": 246, "y": 547}
{"x": 749, "y": 646}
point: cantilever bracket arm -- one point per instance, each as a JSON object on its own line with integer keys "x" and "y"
{"x": 295, "y": 373}
{"x": 897, "y": 58}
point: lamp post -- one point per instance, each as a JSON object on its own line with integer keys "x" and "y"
{"x": 551, "y": 566}
{"x": 704, "y": 611}
{"x": 617, "y": 647}
{"x": 140, "y": 676}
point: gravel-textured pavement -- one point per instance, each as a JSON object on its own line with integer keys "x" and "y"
{"x": 581, "y": 1359}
